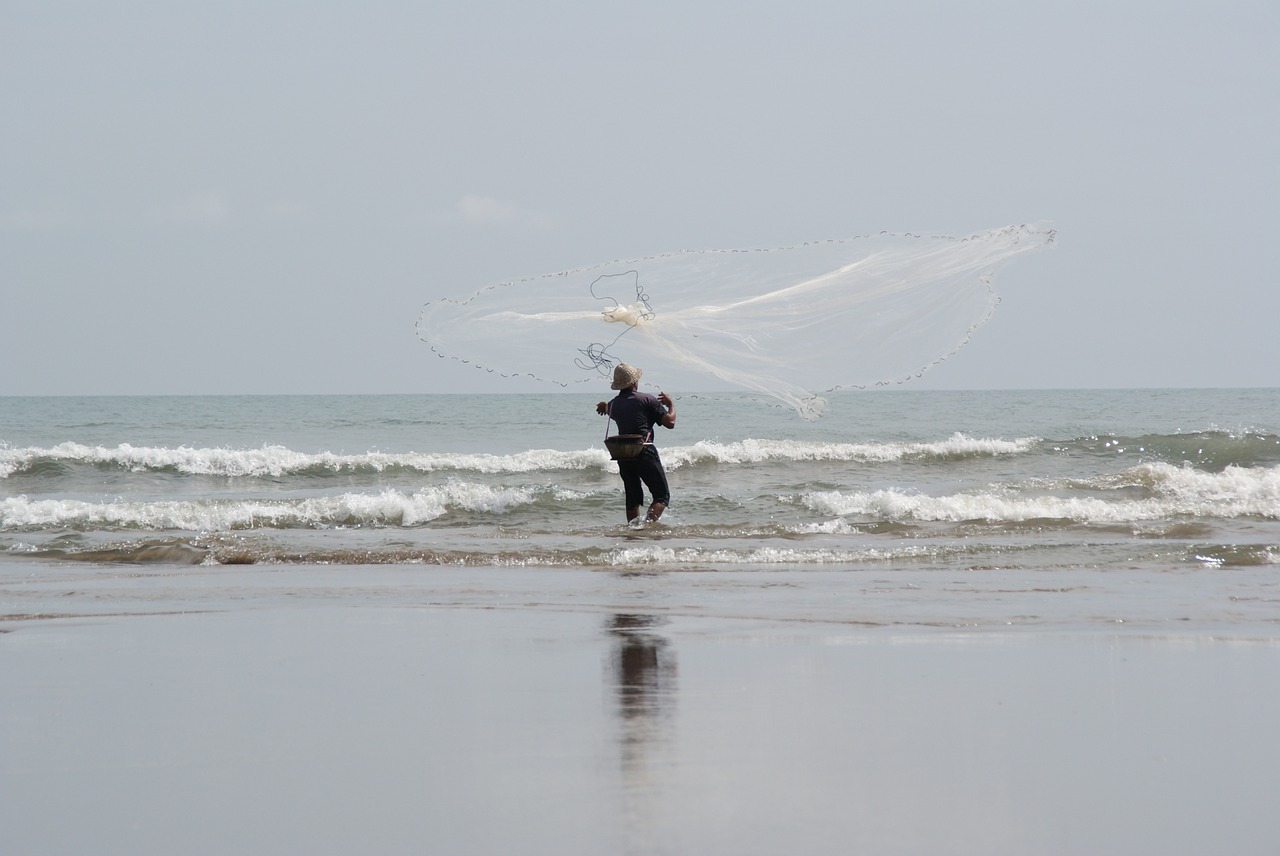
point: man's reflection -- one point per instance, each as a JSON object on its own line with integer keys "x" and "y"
{"x": 644, "y": 677}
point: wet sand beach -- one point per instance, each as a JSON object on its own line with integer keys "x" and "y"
{"x": 409, "y": 709}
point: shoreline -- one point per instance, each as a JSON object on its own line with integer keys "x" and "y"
{"x": 1209, "y": 602}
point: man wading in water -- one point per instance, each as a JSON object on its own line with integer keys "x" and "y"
{"x": 636, "y": 413}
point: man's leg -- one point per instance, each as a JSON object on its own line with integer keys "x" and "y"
{"x": 632, "y": 488}
{"x": 655, "y": 478}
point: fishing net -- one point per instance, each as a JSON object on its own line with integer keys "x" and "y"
{"x": 789, "y": 322}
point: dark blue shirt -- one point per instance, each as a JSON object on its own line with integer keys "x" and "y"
{"x": 636, "y": 412}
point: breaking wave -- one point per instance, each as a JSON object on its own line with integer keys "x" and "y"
{"x": 1148, "y": 492}
{"x": 1169, "y": 492}
{"x": 278, "y": 461}
{"x": 1211, "y": 450}
{"x": 386, "y": 508}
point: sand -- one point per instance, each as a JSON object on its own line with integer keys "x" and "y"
{"x": 484, "y": 710}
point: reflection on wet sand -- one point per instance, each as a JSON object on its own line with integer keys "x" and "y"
{"x": 644, "y": 677}
{"x": 644, "y": 680}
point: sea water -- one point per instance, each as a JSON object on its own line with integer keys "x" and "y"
{"x": 1055, "y": 484}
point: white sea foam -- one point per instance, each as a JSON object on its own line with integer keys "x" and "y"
{"x": 653, "y": 554}
{"x": 279, "y": 461}
{"x": 764, "y": 451}
{"x": 1175, "y": 492}
{"x": 839, "y": 526}
{"x": 388, "y": 507}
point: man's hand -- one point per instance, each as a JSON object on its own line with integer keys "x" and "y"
{"x": 669, "y": 418}
{"x": 602, "y": 408}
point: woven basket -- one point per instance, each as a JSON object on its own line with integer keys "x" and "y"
{"x": 624, "y": 447}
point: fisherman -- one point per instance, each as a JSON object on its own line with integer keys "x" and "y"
{"x": 637, "y": 412}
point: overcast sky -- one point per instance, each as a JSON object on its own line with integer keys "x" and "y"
{"x": 257, "y": 197}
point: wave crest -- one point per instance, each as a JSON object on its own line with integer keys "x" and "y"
{"x": 1172, "y": 492}
{"x": 280, "y": 462}
{"x": 752, "y": 451}
{"x": 387, "y": 508}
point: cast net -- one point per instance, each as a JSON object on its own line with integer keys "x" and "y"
{"x": 789, "y": 322}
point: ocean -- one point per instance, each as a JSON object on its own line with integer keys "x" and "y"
{"x": 1064, "y": 487}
